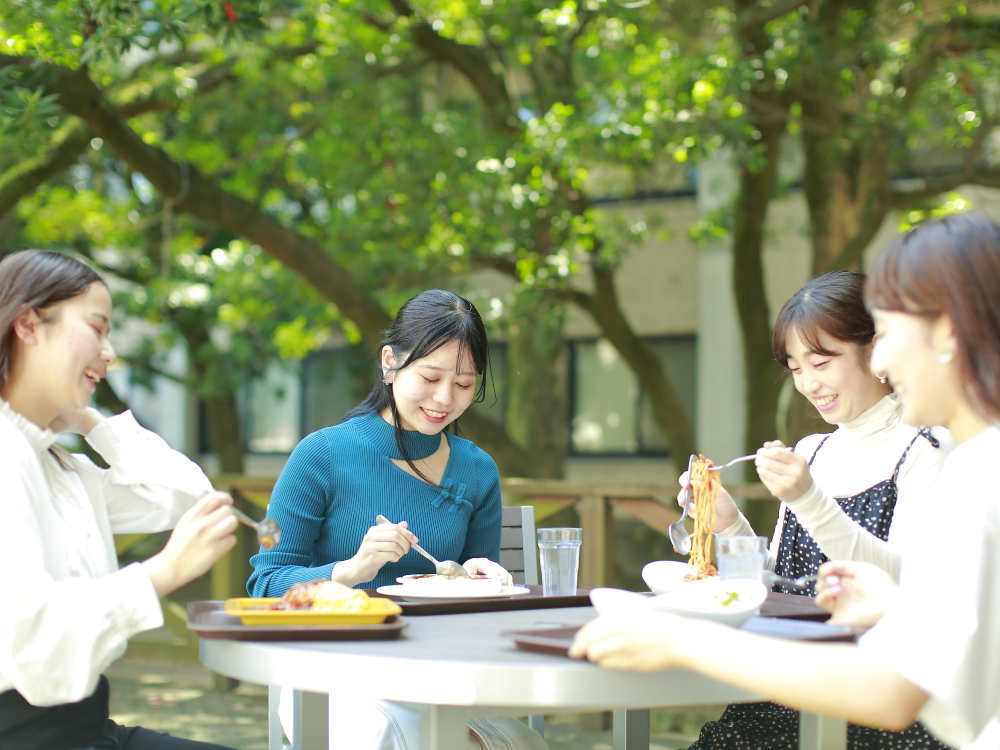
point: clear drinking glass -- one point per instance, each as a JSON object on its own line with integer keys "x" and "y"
{"x": 559, "y": 554}
{"x": 741, "y": 556}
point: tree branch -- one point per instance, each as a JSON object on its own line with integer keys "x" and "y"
{"x": 757, "y": 15}
{"x": 200, "y": 197}
{"x": 915, "y": 192}
{"x": 468, "y": 60}
{"x": 63, "y": 150}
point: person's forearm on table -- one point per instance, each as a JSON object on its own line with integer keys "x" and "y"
{"x": 346, "y": 572}
{"x": 840, "y": 681}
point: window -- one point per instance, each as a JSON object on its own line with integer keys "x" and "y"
{"x": 610, "y": 413}
{"x": 273, "y": 409}
{"x": 334, "y": 382}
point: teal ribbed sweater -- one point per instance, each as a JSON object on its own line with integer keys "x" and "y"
{"x": 338, "y": 479}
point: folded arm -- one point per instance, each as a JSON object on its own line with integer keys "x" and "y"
{"x": 149, "y": 485}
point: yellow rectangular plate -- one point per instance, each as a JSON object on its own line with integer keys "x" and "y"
{"x": 379, "y": 609}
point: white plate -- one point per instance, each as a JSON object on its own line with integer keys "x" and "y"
{"x": 407, "y": 593}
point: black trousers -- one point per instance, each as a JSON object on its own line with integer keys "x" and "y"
{"x": 78, "y": 726}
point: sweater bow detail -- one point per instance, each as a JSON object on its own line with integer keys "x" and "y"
{"x": 456, "y": 496}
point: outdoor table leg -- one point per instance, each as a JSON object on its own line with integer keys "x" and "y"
{"x": 630, "y": 729}
{"x": 310, "y": 720}
{"x": 443, "y": 727}
{"x": 821, "y": 733}
{"x": 537, "y": 722}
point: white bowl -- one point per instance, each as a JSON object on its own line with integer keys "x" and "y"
{"x": 726, "y": 602}
{"x": 664, "y": 576}
{"x": 609, "y": 601}
{"x": 434, "y": 585}
{"x": 702, "y": 599}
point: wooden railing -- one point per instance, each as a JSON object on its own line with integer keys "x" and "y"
{"x": 655, "y": 506}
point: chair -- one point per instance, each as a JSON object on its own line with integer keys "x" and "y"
{"x": 517, "y": 534}
{"x": 516, "y": 537}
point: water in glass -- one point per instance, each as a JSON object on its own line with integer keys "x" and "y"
{"x": 559, "y": 554}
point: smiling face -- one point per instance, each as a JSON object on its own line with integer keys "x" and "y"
{"x": 63, "y": 355}
{"x": 433, "y": 391}
{"x": 908, "y": 349}
{"x": 839, "y": 385}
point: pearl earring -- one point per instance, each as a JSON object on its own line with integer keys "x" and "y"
{"x": 881, "y": 378}
{"x": 946, "y": 356}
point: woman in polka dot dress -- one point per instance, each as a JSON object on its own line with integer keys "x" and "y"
{"x": 846, "y": 495}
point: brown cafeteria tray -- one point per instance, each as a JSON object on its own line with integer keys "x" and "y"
{"x": 209, "y": 620}
{"x": 792, "y": 606}
{"x": 556, "y": 641}
{"x": 534, "y": 600}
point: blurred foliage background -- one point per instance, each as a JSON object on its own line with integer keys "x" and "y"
{"x": 259, "y": 176}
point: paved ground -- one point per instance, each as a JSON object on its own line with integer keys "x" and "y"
{"x": 181, "y": 700}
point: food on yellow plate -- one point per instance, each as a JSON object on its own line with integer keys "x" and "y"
{"x": 322, "y": 596}
{"x": 705, "y": 487}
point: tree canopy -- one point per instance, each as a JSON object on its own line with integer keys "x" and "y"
{"x": 343, "y": 155}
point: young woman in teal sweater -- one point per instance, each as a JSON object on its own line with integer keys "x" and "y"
{"x": 392, "y": 456}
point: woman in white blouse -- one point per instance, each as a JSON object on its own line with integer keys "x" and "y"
{"x": 847, "y": 495}
{"x": 935, "y": 654}
{"x": 68, "y": 611}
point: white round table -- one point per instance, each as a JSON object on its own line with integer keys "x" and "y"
{"x": 452, "y": 667}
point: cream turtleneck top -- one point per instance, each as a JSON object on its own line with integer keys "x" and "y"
{"x": 68, "y": 611}
{"x": 858, "y": 455}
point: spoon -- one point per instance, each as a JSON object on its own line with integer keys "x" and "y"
{"x": 268, "y": 532}
{"x": 447, "y": 568}
{"x": 679, "y": 536}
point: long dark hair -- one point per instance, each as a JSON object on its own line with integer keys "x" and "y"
{"x": 424, "y": 324}
{"x": 950, "y": 266}
{"x": 833, "y": 304}
{"x": 35, "y": 280}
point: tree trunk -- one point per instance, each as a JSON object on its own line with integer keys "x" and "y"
{"x": 224, "y": 429}
{"x": 602, "y": 305}
{"x": 536, "y": 387}
{"x": 761, "y": 372}
{"x": 757, "y": 181}
{"x": 511, "y": 459}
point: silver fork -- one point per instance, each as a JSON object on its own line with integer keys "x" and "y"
{"x": 802, "y": 582}
{"x": 751, "y": 457}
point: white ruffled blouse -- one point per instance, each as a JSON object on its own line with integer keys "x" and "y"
{"x": 68, "y": 611}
